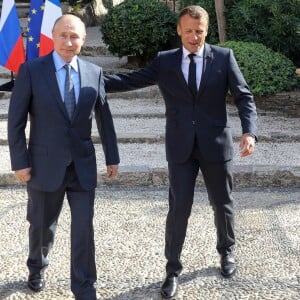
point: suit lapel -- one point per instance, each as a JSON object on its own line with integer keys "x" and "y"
{"x": 207, "y": 63}
{"x": 83, "y": 81}
{"x": 52, "y": 83}
{"x": 178, "y": 70}
{"x": 88, "y": 79}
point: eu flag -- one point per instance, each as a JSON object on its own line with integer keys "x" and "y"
{"x": 34, "y": 28}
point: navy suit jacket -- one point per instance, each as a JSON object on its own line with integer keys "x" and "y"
{"x": 203, "y": 118}
{"x": 53, "y": 137}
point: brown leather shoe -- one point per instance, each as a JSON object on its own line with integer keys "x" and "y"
{"x": 228, "y": 265}
{"x": 169, "y": 287}
{"x": 36, "y": 282}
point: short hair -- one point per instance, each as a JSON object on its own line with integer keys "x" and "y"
{"x": 195, "y": 12}
{"x": 70, "y": 14}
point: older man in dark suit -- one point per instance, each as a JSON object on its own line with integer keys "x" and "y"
{"x": 60, "y": 93}
{"x": 194, "y": 81}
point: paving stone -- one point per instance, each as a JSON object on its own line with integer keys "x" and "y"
{"x": 129, "y": 234}
{"x": 145, "y": 164}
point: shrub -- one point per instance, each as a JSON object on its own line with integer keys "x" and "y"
{"x": 275, "y": 23}
{"x": 138, "y": 27}
{"x": 266, "y": 71}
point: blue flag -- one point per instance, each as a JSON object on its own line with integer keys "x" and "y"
{"x": 34, "y": 29}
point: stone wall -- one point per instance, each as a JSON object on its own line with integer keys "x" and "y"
{"x": 284, "y": 103}
{"x": 287, "y": 103}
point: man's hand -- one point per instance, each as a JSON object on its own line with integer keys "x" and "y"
{"x": 247, "y": 145}
{"x": 112, "y": 171}
{"x": 23, "y": 175}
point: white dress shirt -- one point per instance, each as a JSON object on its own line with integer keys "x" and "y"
{"x": 186, "y": 62}
{"x": 61, "y": 74}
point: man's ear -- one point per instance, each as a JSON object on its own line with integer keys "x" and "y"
{"x": 206, "y": 31}
{"x": 178, "y": 30}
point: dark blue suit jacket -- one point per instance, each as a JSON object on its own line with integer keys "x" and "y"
{"x": 204, "y": 117}
{"x": 52, "y": 135}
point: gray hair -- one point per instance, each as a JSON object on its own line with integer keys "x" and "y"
{"x": 61, "y": 17}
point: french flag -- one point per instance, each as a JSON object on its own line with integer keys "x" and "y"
{"x": 12, "y": 53}
{"x": 52, "y": 11}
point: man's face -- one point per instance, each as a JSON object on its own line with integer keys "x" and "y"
{"x": 68, "y": 37}
{"x": 192, "y": 32}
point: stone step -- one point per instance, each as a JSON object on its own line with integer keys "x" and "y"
{"x": 247, "y": 176}
{"x": 22, "y": 9}
{"x": 110, "y": 64}
{"x": 153, "y": 155}
{"x": 151, "y": 92}
{"x": 135, "y": 108}
{"x": 94, "y": 45}
{"x": 142, "y": 120}
{"x": 152, "y": 130}
{"x": 145, "y": 164}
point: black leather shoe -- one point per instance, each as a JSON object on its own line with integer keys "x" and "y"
{"x": 228, "y": 265}
{"x": 36, "y": 282}
{"x": 169, "y": 287}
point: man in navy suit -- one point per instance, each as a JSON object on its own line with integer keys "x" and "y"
{"x": 194, "y": 81}
{"x": 61, "y": 93}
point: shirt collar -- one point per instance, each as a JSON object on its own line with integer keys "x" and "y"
{"x": 199, "y": 53}
{"x": 59, "y": 62}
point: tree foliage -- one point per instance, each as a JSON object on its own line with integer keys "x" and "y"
{"x": 275, "y": 23}
{"x": 266, "y": 71}
{"x": 138, "y": 27}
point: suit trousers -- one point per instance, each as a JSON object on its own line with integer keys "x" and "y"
{"x": 42, "y": 213}
{"x": 218, "y": 181}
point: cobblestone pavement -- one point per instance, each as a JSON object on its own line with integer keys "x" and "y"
{"x": 129, "y": 234}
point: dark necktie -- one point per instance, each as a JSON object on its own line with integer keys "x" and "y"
{"x": 192, "y": 83}
{"x": 69, "y": 96}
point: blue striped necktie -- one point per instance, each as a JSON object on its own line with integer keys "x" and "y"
{"x": 69, "y": 96}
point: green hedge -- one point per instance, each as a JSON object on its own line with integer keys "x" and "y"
{"x": 266, "y": 71}
{"x": 139, "y": 27}
{"x": 274, "y": 23}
